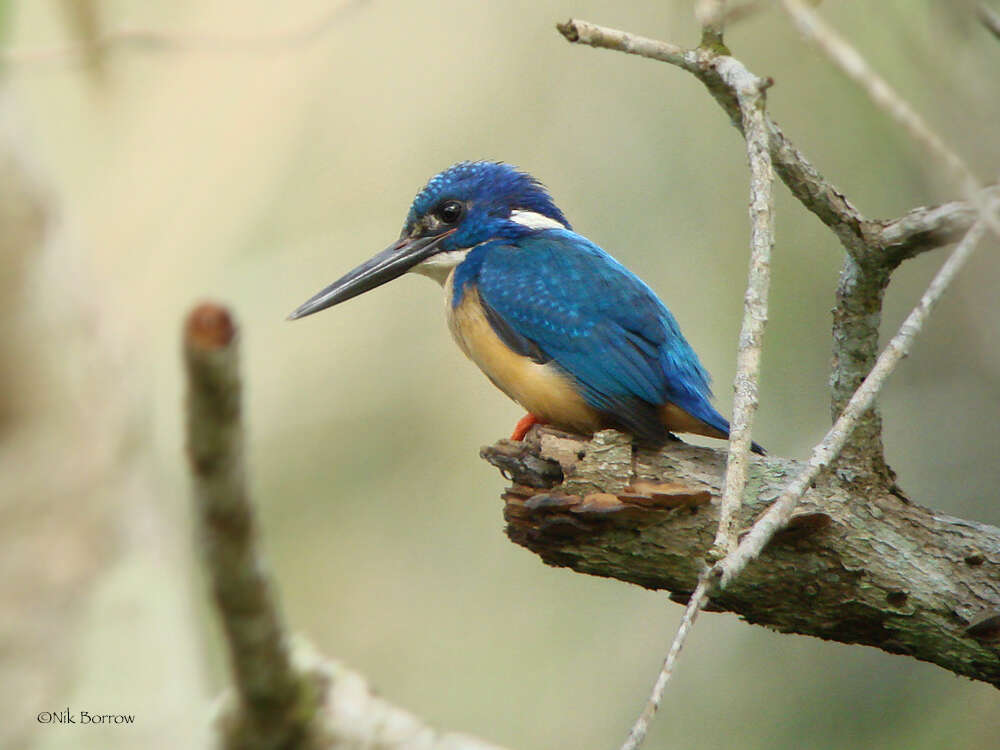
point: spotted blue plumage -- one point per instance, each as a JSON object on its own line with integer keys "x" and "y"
{"x": 597, "y": 321}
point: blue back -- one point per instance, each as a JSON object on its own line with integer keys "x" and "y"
{"x": 595, "y": 320}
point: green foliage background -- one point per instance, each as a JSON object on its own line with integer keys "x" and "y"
{"x": 258, "y": 178}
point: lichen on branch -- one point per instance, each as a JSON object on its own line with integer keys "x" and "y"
{"x": 872, "y": 569}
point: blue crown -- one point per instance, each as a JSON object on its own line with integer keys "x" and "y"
{"x": 500, "y": 186}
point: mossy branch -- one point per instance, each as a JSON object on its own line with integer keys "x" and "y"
{"x": 854, "y": 565}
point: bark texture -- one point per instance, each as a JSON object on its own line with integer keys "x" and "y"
{"x": 857, "y": 564}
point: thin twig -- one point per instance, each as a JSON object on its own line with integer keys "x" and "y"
{"x": 695, "y": 604}
{"x": 829, "y": 447}
{"x": 751, "y": 95}
{"x": 585, "y": 32}
{"x": 781, "y": 510}
{"x": 857, "y": 233}
{"x": 711, "y": 14}
{"x": 284, "y": 697}
{"x": 270, "y": 692}
{"x": 151, "y": 40}
{"x": 860, "y": 304}
{"x": 989, "y": 18}
{"x": 854, "y": 231}
{"x": 817, "y": 194}
{"x": 850, "y": 61}
{"x": 928, "y": 228}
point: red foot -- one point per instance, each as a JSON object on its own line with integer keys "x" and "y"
{"x": 524, "y": 424}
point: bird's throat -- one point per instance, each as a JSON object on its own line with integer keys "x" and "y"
{"x": 440, "y": 265}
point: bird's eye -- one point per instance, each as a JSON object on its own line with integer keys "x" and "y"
{"x": 449, "y": 212}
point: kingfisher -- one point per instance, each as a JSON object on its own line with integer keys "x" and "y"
{"x": 554, "y": 321}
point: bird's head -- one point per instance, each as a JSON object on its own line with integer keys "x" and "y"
{"x": 466, "y": 205}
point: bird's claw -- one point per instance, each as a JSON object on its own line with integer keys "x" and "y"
{"x": 524, "y": 424}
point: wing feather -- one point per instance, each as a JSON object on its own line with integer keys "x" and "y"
{"x": 557, "y": 295}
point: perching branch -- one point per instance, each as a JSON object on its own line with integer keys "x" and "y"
{"x": 857, "y": 376}
{"x": 865, "y": 568}
{"x": 286, "y": 696}
{"x": 824, "y": 454}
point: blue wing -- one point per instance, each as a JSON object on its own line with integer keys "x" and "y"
{"x": 560, "y": 297}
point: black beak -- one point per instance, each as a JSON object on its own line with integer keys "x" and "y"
{"x": 389, "y": 264}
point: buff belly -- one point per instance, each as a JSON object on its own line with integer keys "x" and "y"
{"x": 540, "y": 388}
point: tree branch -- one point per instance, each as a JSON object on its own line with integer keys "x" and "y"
{"x": 867, "y": 269}
{"x": 285, "y": 695}
{"x": 711, "y": 14}
{"x": 989, "y": 18}
{"x": 862, "y": 285}
{"x": 352, "y": 714}
{"x": 852, "y": 566}
{"x": 865, "y": 275}
{"x": 750, "y": 92}
{"x": 857, "y": 319}
{"x": 745, "y": 384}
{"x": 855, "y": 67}
{"x": 817, "y": 194}
{"x": 828, "y": 449}
{"x": 924, "y": 229}
{"x": 857, "y": 376}
{"x": 272, "y": 696}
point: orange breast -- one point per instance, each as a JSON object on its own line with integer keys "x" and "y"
{"x": 540, "y": 388}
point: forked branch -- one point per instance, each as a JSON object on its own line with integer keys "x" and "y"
{"x": 857, "y": 376}
{"x": 850, "y": 566}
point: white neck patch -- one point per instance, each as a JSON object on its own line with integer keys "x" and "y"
{"x": 439, "y": 265}
{"x": 534, "y": 220}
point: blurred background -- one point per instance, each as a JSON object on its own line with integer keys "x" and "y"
{"x": 255, "y": 172}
